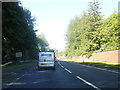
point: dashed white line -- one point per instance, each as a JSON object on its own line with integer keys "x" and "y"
{"x": 62, "y": 66}
{"x": 88, "y": 83}
{"x": 68, "y": 70}
{"x": 59, "y": 63}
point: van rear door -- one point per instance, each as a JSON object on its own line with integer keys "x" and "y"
{"x": 46, "y": 59}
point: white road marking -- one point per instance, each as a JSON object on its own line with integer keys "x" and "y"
{"x": 100, "y": 68}
{"x": 9, "y": 84}
{"x": 68, "y": 70}
{"x": 88, "y": 83}
{"x": 15, "y": 80}
{"x": 62, "y": 66}
{"x": 58, "y": 63}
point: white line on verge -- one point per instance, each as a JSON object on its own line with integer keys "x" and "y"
{"x": 88, "y": 83}
{"x": 100, "y": 68}
{"x": 15, "y": 80}
{"x": 68, "y": 70}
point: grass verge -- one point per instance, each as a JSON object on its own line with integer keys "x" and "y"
{"x": 17, "y": 65}
{"x": 99, "y": 64}
{"x": 105, "y": 65}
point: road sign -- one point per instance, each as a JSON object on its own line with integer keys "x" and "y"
{"x": 18, "y": 54}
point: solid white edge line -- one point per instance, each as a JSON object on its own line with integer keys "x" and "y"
{"x": 100, "y": 68}
{"x": 68, "y": 70}
{"x": 88, "y": 83}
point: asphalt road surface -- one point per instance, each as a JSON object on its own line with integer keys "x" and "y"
{"x": 66, "y": 75}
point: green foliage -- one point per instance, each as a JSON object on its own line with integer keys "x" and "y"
{"x": 59, "y": 54}
{"x": 18, "y": 33}
{"x": 89, "y": 33}
{"x": 109, "y": 33}
{"x": 42, "y": 42}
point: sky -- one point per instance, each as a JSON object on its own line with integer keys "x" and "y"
{"x": 53, "y": 16}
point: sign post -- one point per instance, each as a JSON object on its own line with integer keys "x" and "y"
{"x": 18, "y": 55}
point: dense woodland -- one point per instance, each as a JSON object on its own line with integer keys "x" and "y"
{"x": 91, "y": 33}
{"x": 18, "y": 34}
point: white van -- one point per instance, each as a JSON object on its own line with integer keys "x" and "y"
{"x": 46, "y": 59}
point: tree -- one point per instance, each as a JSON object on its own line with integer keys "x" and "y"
{"x": 109, "y": 33}
{"x": 95, "y": 19}
{"x": 81, "y": 36}
{"x": 18, "y": 33}
{"x": 42, "y": 42}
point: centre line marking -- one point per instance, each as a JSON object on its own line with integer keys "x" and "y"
{"x": 68, "y": 70}
{"x": 60, "y": 64}
{"x": 88, "y": 83}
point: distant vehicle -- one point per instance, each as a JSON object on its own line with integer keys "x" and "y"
{"x": 46, "y": 60}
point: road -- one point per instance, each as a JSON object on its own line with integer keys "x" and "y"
{"x": 66, "y": 75}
